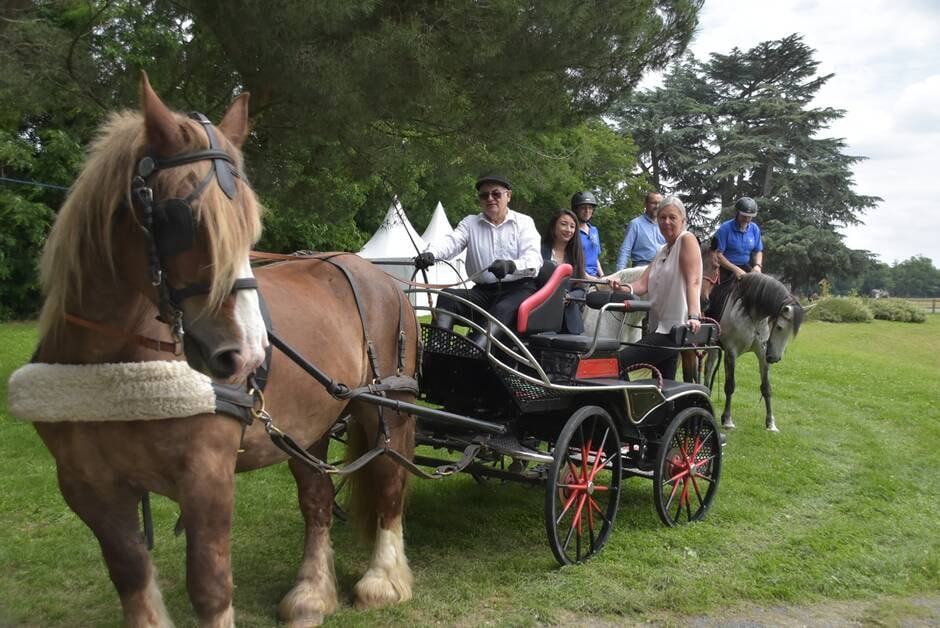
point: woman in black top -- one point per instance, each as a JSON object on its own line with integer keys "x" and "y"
{"x": 561, "y": 244}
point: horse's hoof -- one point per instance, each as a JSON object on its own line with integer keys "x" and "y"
{"x": 314, "y": 619}
{"x": 306, "y": 605}
{"x": 772, "y": 428}
{"x": 728, "y": 424}
{"x": 376, "y": 589}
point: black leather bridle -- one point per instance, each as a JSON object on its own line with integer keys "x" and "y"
{"x": 170, "y": 224}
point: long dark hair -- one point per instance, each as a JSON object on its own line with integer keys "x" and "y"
{"x": 574, "y": 254}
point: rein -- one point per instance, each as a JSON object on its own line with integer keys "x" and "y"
{"x": 714, "y": 278}
{"x": 175, "y": 346}
{"x": 288, "y": 257}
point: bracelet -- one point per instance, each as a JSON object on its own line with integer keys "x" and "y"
{"x": 695, "y": 317}
{"x": 757, "y": 266}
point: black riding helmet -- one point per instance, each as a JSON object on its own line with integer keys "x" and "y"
{"x": 583, "y": 198}
{"x": 746, "y": 206}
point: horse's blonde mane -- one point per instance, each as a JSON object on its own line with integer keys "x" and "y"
{"x": 81, "y": 239}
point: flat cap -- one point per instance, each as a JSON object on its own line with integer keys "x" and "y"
{"x": 494, "y": 178}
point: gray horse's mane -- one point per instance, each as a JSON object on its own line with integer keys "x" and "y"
{"x": 761, "y": 295}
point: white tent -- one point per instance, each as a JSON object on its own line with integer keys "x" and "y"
{"x": 395, "y": 238}
{"x": 395, "y": 244}
{"x": 442, "y": 273}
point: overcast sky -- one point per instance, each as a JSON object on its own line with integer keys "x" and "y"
{"x": 885, "y": 55}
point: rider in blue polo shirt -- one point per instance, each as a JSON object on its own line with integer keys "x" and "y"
{"x": 583, "y": 204}
{"x": 740, "y": 248}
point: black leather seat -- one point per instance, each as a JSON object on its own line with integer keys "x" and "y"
{"x": 571, "y": 342}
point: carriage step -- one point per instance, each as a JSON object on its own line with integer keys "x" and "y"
{"x": 509, "y": 445}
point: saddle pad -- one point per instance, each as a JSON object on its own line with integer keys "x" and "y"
{"x": 132, "y": 391}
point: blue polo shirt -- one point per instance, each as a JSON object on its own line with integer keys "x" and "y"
{"x": 738, "y": 245}
{"x": 641, "y": 242}
{"x": 591, "y": 243}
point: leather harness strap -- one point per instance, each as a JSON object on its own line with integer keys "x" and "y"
{"x": 174, "y": 347}
{"x": 167, "y": 346}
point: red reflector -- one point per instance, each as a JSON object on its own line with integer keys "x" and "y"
{"x": 598, "y": 367}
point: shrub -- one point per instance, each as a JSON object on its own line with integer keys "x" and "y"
{"x": 840, "y": 310}
{"x": 896, "y": 310}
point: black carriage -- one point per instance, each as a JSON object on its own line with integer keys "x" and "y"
{"x": 554, "y": 408}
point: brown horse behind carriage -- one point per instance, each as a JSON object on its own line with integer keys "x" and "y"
{"x": 161, "y": 222}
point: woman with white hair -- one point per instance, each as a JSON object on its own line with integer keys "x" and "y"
{"x": 673, "y": 283}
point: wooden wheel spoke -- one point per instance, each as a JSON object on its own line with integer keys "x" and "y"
{"x": 573, "y": 470}
{"x": 585, "y": 451}
{"x": 599, "y": 468}
{"x": 681, "y": 474}
{"x": 598, "y": 454}
{"x": 567, "y": 505}
{"x": 579, "y": 514}
{"x": 568, "y": 538}
{"x": 698, "y": 493}
{"x": 672, "y": 494}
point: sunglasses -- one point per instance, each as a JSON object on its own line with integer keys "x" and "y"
{"x": 497, "y": 194}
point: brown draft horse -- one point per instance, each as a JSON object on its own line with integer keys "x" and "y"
{"x": 96, "y": 268}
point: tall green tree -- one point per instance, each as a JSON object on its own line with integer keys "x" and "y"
{"x": 417, "y": 98}
{"x": 353, "y": 100}
{"x": 916, "y": 277}
{"x": 743, "y": 124}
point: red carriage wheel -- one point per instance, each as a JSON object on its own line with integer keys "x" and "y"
{"x": 583, "y": 487}
{"x": 688, "y": 466}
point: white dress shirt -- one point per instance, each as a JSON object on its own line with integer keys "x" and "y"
{"x": 516, "y": 239}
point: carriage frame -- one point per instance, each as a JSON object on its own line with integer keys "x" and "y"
{"x": 553, "y": 409}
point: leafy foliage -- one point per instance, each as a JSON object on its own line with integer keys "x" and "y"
{"x": 896, "y": 310}
{"x": 916, "y": 277}
{"x": 741, "y": 124}
{"x": 841, "y": 310}
{"x": 354, "y": 101}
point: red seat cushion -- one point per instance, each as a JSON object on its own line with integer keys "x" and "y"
{"x": 545, "y": 310}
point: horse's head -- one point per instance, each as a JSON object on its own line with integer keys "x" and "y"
{"x": 709, "y": 266}
{"x": 783, "y": 327}
{"x": 162, "y": 207}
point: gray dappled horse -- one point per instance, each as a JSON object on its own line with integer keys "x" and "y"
{"x": 759, "y": 315}
{"x": 611, "y": 324}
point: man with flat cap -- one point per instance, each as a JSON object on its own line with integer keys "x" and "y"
{"x": 503, "y": 255}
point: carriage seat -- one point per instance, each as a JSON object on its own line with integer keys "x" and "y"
{"x": 540, "y": 316}
{"x": 581, "y": 343}
{"x": 545, "y": 310}
{"x": 576, "y": 343}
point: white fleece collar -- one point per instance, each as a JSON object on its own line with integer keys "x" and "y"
{"x": 133, "y": 391}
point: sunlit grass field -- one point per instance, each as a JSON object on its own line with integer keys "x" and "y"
{"x": 842, "y": 505}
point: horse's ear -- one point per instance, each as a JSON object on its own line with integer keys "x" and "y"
{"x": 159, "y": 122}
{"x": 235, "y": 123}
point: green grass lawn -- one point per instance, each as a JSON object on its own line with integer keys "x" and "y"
{"x": 842, "y": 505}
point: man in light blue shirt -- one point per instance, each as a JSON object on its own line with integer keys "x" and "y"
{"x": 643, "y": 238}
